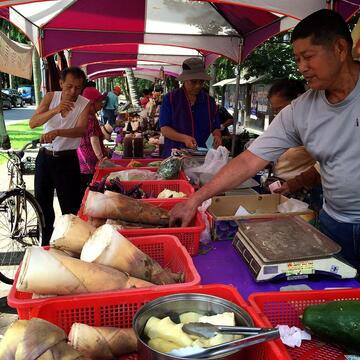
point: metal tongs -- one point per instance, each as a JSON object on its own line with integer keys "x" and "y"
{"x": 252, "y": 336}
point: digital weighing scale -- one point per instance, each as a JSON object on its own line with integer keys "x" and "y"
{"x": 289, "y": 249}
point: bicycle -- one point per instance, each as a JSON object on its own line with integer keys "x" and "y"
{"x": 21, "y": 218}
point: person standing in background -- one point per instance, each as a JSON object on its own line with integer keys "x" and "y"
{"x": 91, "y": 148}
{"x": 111, "y": 106}
{"x": 64, "y": 115}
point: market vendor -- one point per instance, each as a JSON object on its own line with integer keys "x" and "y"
{"x": 326, "y": 120}
{"x": 188, "y": 115}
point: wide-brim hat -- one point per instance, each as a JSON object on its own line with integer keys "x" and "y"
{"x": 193, "y": 69}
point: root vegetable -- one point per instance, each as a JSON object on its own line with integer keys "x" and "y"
{"x": 167, "y": 330}
{"x": 108, "y": 247}
{"x": 36, "y": 339}
{"x": 53, "y": 274}
{"x": 102, "y": 342}
{"x": 162, "y": 345}
{"x": 96, "y": 222}
{"x": 111, "y": 205}
{"x": 70, "y": 233}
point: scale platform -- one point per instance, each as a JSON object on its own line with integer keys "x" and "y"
{"x": 289, "y": 249}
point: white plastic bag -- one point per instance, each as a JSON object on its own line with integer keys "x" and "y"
{"x": 214, "y": 161}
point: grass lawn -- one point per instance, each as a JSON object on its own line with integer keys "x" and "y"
{"x": 20, "y": 134}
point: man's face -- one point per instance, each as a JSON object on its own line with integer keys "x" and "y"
{"x": 277, "y": 103}
{"x": 193, "y": 87}
{"x": 319, "y": 64}
{"x": 71, "y": 87}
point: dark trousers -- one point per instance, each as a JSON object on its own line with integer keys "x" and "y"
{"x": 347, "y": 235}
{"x": 85, "y": 180}
{"x": 109, "y": 116}
{"x": 63, "y": 175}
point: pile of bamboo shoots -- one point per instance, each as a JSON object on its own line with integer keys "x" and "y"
{"x": 126, "y": 211}
{"x": 108, "y": 261}
{"x": 39, "y": 339}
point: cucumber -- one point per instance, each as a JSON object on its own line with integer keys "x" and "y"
{"x": 336, "y": 322}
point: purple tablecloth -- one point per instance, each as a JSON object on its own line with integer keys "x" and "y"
{"x": 223, "y": 265}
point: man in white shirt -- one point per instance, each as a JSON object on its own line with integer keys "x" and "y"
{"x": 325, "y": 119}
{"x": 64, "y": 115}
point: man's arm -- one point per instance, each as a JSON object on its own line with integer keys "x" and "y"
{"x": 234, "y": 173}
{"x": 43, "y": 114}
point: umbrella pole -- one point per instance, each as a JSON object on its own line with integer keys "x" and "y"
{"x": 237, "y": 96}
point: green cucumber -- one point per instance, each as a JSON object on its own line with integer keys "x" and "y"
{"x": 336, "y": 322}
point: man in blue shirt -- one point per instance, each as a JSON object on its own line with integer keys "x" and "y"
{"x": 189, "y": 115}
{"x": 110, "y": 107}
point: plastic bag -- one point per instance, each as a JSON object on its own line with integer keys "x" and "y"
{"x": 170, "y": 168}
{"x": 205, "y": 236}
{"x": 214, "y": 161}
{"x": 133, "y": 174}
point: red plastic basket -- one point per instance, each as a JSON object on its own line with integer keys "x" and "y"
{"x": 165, "y": 249}
{"x": 188, "y": 236}
{"x": 101, "y": 172}
{"x": 118, "y": 310}
{"x": 155, "y": 187}
{"x": 285, "y": 308}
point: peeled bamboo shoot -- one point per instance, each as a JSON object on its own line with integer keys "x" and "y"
{"x": 112, "y": 205}
{"x": 102, "y": 342}
{"x": 108, "y": 247}
{"x": 70, "y": 233}
{"x": 45, "y": 273}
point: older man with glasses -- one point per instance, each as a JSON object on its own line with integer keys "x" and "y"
{"x": 188, "y": 115}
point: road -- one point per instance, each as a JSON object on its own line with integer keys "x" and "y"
{"x": 18, "y": 114}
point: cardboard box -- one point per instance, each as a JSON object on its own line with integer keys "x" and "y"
{"x": 223, "y": 208}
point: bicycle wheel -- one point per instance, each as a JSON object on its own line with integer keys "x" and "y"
{"x": 21, "y": 225}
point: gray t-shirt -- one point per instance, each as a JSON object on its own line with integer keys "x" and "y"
{"x": 331, "y": 134}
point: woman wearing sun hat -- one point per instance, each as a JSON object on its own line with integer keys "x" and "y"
{"x": 188, "y": 115}
{"x": 91, "y": 148}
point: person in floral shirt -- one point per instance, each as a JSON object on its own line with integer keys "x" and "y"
{"x": 91, "y": 148}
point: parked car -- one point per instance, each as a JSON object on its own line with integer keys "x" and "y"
{"x": 27, "y": 93}
{"x": 15, "y": 97}
{"x": 6, "y": 101}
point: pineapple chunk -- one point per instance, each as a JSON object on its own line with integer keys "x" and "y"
{"x": 226, "y": 319}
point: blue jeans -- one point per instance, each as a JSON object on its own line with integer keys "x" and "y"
{"x": 347, "y": 235}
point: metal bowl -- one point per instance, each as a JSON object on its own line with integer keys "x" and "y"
{"x": 181, "y": 303}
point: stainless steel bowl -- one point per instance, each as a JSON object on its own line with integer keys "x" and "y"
{"x": 181, "y": 303}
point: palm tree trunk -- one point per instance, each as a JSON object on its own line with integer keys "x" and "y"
{"x": 132, "y": 87}
{"x": 4, "y": 137}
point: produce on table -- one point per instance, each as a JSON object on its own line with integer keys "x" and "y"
{"x": 149, "y": 148}
{"x": 107, "y": 164}
{"x": 47, "y": 273}
{"x": 95, "y": 222}
{"x": 108, "y": 247}
{"x": 134, "y": 164}
{"x": 170, "y": 168}
{"x": 134, "y": 174}
{"x": 70, "y": 233}
{"x": 36, "y": 339}
{"x": 154, "y": 163}
{"x": 165, "y": 335}
{"x": 167, "y": 194}
{"x": 120, "y": 224}
{"x": 102, "y": 342}
{"x": 111, "y": 205}
{"x": 336, "y": 322}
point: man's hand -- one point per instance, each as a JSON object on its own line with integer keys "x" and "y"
{"x": 189, "y": 142}
{"x": 283, "y": 189}
{"x": 182, "y": 213}
{"x": 65, "y": 106}
{"x": 217, "y": 141}
{"x": 49, "y": 137}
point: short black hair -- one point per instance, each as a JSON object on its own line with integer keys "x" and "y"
{"x": 146, "y": 91}
{"x": 324, "y": 26}
{"x": 158, "y": 88}
{"x": 287, "y": 88}
{"x": 76, "y": 72}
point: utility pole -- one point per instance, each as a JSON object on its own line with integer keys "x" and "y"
{"x": 4, "y": 137}
{"x": 36, "y": 76}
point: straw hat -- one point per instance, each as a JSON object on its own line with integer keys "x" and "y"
{"x": 193, "y": 69}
